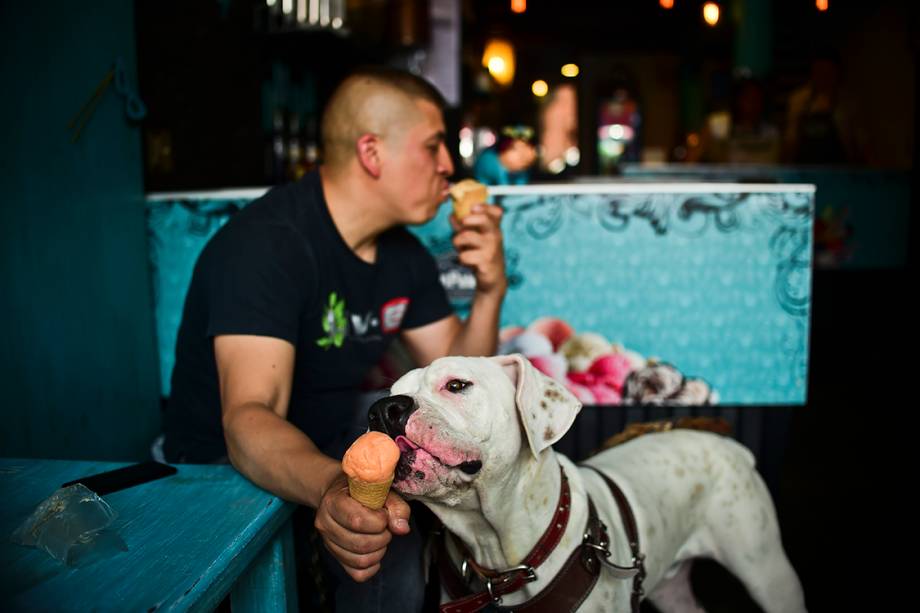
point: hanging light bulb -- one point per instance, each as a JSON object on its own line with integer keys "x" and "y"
{"x": 539, "y": 88}
{"x": 666, "y": 4}
{"x": 570, "y": 70}
{"x": 711, "y": 13}
{"x": 822, "y": 5}
{"x": 518, "y": 6}
{"x": 498, "y": 58}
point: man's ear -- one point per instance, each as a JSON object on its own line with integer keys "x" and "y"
{"x": 367, "y": 149}
{"x": 546, "y": 408}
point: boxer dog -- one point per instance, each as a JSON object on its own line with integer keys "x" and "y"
{"x": 528, "y": 527}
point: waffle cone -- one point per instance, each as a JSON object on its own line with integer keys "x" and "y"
{"x": 462, "y": 208}
{"x": 371, "y": 495}
{"x": 465, "y": 194}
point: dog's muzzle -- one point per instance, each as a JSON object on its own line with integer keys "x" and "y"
{"x": 389, "y": 415}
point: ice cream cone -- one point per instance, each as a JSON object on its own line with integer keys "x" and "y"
{"x": 465, "y": 194}
{"x": 371, "y": 495}
{"x": 369, "y": 465}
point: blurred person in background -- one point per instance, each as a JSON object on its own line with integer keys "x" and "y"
{"x": 818, "y": 127}
{"x": 754, "y": 139}
{"x": 507, "y": 162}
{"x": 558, "y": 125}
{"x": 741, "y": 134}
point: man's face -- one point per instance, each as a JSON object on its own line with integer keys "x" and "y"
{"x": 417, "y": 166}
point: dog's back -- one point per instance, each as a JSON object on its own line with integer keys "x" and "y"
{"x": 698, "y": 494}
{"x": 685, "y": 467}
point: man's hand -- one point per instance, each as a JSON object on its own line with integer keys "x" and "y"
{"x": 355, "y": 535}
{"x": 478, "y": 241}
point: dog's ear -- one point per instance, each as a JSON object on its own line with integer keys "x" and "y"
{"x": 546, "y": 408}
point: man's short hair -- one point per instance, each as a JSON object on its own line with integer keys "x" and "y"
{"x": 351, "y": 111}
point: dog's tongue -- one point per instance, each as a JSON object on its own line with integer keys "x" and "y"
{"x": 404, "y": 444}
{"x": 406, "y": 457}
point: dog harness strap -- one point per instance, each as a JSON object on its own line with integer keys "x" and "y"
{"x": 496, "y": 586}
{"x": 566, "y": 592}
{"x": 632, "y": 533}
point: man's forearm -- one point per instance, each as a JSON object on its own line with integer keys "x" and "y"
{"x": 479, "y": 334}
{"x": 276, "y": 456}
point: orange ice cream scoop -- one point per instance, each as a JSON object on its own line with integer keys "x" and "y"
{"x": 372, "y": 458}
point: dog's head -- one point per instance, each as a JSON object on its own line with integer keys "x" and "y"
{"x": 465, "y": 420}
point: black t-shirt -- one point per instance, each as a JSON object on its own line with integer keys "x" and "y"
{"x": 280, "y": 268}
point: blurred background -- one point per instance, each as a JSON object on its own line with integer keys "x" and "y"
{"x": 107, "y": 102}
{"x": 235, "y": 88}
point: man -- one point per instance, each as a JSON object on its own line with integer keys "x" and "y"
{"x": 298, "y": 295}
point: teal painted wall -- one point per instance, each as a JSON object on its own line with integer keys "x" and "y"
{"x": 78, "y": 369}
{"x": 717, "y": 284}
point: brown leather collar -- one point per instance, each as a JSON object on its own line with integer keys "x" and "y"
{"x": 501, "y": 582}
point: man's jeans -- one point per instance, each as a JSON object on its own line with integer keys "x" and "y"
{"x": 399, "y": 585}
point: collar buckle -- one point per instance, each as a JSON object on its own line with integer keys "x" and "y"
{"x": 503, "y": 577}
{"x": 530, "y": 574}
{"x": 499, "y": 577}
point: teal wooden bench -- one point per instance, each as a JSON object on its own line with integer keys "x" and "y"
{"x": 192, "y": 539}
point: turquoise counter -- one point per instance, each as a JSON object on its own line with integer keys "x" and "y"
{"x": 714, "y": 279}
{"x": 187, "y": 541}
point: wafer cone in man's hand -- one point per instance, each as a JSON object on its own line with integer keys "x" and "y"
{"x": 465, "y": 194}
{"x": 369, "y": 465}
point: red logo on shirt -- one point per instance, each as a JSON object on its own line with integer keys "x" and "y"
{"x": 391, "y": 314}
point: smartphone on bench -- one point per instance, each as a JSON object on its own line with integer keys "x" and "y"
{"x": 128, "y": 476}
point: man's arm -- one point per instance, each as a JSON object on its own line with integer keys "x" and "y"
{"x": 255, "y": 388}
{"x": 478, "y": 240}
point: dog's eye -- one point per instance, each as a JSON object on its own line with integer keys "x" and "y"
{"x": 455, "y": 386}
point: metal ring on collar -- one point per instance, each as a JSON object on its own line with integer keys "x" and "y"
{"x": 496, "y": 599}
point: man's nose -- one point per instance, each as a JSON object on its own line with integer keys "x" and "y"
{"x": 447, "y": 163}
{"x": 389, "y": 415}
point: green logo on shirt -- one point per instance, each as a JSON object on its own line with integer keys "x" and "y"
{"x": 335, "y": 324}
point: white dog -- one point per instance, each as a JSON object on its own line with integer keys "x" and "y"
{"x": 476, "y": 436}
